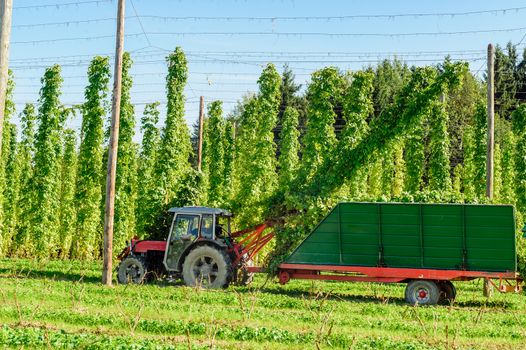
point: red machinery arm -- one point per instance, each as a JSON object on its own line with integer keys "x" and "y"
{"x": 252, "y": 242}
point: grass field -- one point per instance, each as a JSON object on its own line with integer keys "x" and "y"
{"x": 61, "y": 304}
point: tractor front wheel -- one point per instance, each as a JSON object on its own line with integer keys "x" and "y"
{"x": 244, "y": 277}
{"x": 132, "y": 270}
{"x": 207, "y": 267}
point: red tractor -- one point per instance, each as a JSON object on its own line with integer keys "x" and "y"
{"x": 200, "y": 248}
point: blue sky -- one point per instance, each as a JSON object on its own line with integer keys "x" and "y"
{"x": 227, "y": 66}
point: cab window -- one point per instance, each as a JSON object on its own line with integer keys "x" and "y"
{"x": 207, "y": 222}
{"x": 186, "y": 225}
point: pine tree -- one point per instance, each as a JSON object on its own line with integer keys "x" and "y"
{"x": 439, "y": 168}
{"x": 213, "y": 156}
{"x": 45, "y": 216}
{"x": 290, "y": 98}
{"x": 88, "y": 195}
{"x": 68, "y": 172}
{"x": 173, "y": 161}
{"x": 148, "y": 157}
{"x": 126, "y": 180}
{"x": 288, "y": 160}
{"x": 26, "y": 151}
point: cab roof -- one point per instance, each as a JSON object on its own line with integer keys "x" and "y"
{"x": 200, "y": 210}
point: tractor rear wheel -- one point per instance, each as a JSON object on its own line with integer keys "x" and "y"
{"x": 207, "y": 267}
{"x": 132, "y": 270}
{"x": 422, "y": 292}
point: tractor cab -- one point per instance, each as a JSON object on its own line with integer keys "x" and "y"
{"x": 191, "y": 225}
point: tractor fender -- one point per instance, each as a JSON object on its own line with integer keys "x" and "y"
{"x": 197, "y": 243}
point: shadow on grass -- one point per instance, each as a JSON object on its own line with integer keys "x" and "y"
{"x": 303, "y": 294}
{"x": 53, "y": 275}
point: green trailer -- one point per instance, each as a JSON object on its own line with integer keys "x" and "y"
{"x": 426, "y": 246}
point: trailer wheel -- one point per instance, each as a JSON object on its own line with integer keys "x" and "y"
{"x": 448, "y": 292}
{"x": 207, "y": 267}
{"x": 422, "y": 292}
{"x": 132, "y": 270}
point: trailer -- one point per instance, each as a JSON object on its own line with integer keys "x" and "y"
{"x": 427, "y": 246}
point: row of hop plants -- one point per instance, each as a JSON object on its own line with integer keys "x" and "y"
{"x": 394, "y": 143}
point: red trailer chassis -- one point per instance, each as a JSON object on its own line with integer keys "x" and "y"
{"x": 503, "y": 281}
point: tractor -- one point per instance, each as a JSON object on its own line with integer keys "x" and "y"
{"x": 200, "y": 249}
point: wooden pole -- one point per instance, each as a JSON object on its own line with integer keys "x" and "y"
{"x": 112, "y": 150}
{"x": 488, "y": 287}
{"x": 491, "y": 122}
{"x": 200, "y": 141}
{"x": 6, "y": 8}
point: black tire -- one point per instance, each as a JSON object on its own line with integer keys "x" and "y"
{"x": 244, "y": 278}
{"x": 132, "y": 269}
{"x": 448, "y": 292}
{"x": 422, "y": 292}
{"x": 207, "y": 267}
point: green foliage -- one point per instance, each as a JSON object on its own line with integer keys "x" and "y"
{"x": 26, "y": 151}
{"x": 399, "y": 170}
{"x": 357, "y": 106}
{"x": 497, "y": 174}
{"x": 229, "y": 147}
{"x": 508, "y": 169}
{"x": 45, "y": 216}
{"x": 90, "y": 172}
{"x": 475, "y": 155}
{"x": 146, "y": 168}
{"x": 67, "y": 193}
{"x": 126, "y": 180}
{"x": 257, "y": 162}
{"x": 323, "y": 95}
{"x": 409, "y": 106}
{"x": 5, "y": 148}
{"x": 460, "y": 107}
{"x": 456, "y": 185}
{"x": 12, "y": 188}
{"x": 173, "y": 164}
{"x": 289, "y": 146}
{"x": 214, "y": 154}
{"x": 439, "y": 168}
{"x": 415, "y": 157}
{"x": 245, "y": 158}
{"x": 519, "y": 126}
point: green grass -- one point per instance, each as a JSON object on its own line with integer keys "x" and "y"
{"x": 60, "y": 304}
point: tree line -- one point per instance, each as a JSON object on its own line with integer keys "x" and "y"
{"x": 280, "y": 145}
